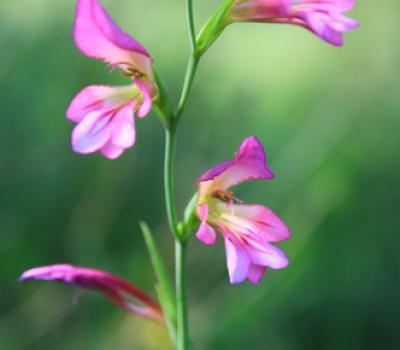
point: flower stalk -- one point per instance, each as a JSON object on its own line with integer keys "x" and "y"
{"x": 182, "y": 337}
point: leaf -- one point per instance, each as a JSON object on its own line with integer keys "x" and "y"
{"x": 164, "y": 288}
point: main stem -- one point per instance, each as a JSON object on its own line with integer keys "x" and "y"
{"x": 181, "y": 303}
{"x": 182, "y": 340}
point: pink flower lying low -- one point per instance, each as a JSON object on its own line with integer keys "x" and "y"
{"x": 104, "y": 114}
{"x": 322, "y": 17}
{"x": 248, "y": 230}
{"x": 117, "y": 290}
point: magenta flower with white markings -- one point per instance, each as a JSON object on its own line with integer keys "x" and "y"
{"x": 248, "y": 230}
{"x": 105, "y": 114}
{"x": 114, "y": 288}
{"x": 322, "y": 17}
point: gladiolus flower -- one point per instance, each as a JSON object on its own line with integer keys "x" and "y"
{"x": 248, "y": 230}
{"x": 114, "y": 288}
{"x": 104, "y": 114}
{"x": 322, "y": 17}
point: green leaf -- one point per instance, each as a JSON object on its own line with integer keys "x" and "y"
{"x": 164, "y": 288}
{"x": 170, "y": 323}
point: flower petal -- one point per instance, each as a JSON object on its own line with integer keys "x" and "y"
{"x": 110, "y": 151}
{"x": 257, "y": 220}
{"x": 97, "y": 36}
{"x": 105, "y": 119}
{"x": 92, "y": 133}
{"x": 238, "y": 260}
{"x": 329, "y": 27}
{"x": 205, "y": 233}
{"x": 123, "y": 133}
{"x": 255, "y": 273}
{"x": 266, "y": 254}
{"x": 249, "y": 164}
{"x": 322, "y": 17}
{"x": 117, "y": 290}
{"x": 147, "y": 92}
{"x": 100, "y": 97}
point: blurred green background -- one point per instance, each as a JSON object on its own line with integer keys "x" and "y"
{"x": 328, "y": 118}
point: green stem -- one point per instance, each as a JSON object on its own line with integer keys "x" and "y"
{"x": 181, "y": 303}
{"x": 170, "y": 140}
{"x": 188, "y": 82}
{"x": 190, "y": 24}
{"x": 169, "y": 179}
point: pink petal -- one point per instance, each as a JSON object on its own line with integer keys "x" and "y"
{"x": 248, "y": 165}
{"x": 205, "y": 233}
{"x": 117, "y": 290}
{"x": 259, "y": 10}
{"x": 147, "y": 91}
{"x": 97, "y": 36}
{"x": 257, "y": 220}
{"x": 337, "y": 5}
{"x": 92, "y": 133}
{"x": 105, "y": 119}
{"x": 265, "y": 254}
{"x": 110, "y": 132}
{"x": 323, "y": 17}
{"x": 238, "y": 260}
{"x": 323, "y": 26}
{"x": 110, "y": 151}
{"x": 255, "y": 273}
{"x": 123, "y": 133}
{"x": 100, "y": 97}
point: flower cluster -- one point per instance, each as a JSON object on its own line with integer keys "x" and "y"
{"x": 105, "y": 118}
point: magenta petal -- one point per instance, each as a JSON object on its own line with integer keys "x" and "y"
{"x": 249, "y": 164}
{"x": 99, "y": 97}
{"x": 255, "y": 273}
{"x": 238, "y": 260}
{"x": 205, "y": 233}
{"x": 259, "y": 221}
{"x": 117, "y": 290}
{"x": 265, "y": 254}
{"x": 97, "y": 36}
{"x": 217, "y": 170}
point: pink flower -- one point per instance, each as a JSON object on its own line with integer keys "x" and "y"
{"x": 104, "y": 114}
{"x": 114, "y": 288}
{"x": 248, "y": 230}
{"x": 322, "y": 17}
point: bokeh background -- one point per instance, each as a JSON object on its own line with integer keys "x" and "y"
{"x": 329, "y": 120}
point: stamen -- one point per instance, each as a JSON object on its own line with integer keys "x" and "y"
{"x": 132, "y": 72}
{"x": 226, "y": 197}
{"x": 127, "y": 70}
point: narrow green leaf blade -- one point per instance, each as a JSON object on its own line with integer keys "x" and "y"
{"x": 164, "y": 289}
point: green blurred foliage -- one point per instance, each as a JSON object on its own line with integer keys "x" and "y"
{"x": 329, "y": 120}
